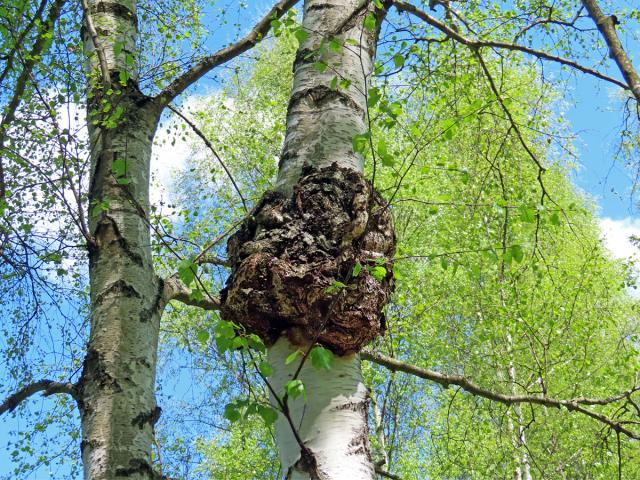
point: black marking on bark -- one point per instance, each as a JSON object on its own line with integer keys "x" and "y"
{"x": 95, "y": 371}
{"x": 88, "y": 443}
{"x": 117, "y": 10}
{"x": 321, "y": 95}
{"x": 119, "y": 287}
{"x": 321, "y": 6}
{"x": 104, "y": 237}
{"x": 148, "y": 313}
{"x": 136, "y": 466}
{"x": 150, "y": 417}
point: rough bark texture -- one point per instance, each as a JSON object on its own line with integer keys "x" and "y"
{"x": 286, "y": 258}
{"x": 117, "y": 388}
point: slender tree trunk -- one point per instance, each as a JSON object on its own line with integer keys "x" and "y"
{"x": 117, "y": 389}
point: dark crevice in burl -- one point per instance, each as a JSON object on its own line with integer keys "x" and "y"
{"x": 287, "y": 258}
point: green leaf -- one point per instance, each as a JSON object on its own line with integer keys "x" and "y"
{"x": 268, "y": 414}
{"x": 265, "y": 368}
{"x": 119, "y": 167}
{"x": 360, "y": 142}
{"x": 187, "y": 271}
{"x": 295, "y": 388}
{"x": 385, "y": 156}
{"x": 231, "y": 412}
{"x": 336, "y": 286}
{"x": 378, "y": 272}
{"x": 517, "y": 253}
{"x": 398, "y": 60}
{"x": 301, "y": 35}
{"x": 370, "y": 22}
{"x": 356, "y": 269}
{"x": 203, "y": 336}
{"x": 320, "y": 66}
{"x": 373, "y": 96}
{"x": 527, "y": 214}
{"x": 335, "y": 45}
{"x": 292, "y": 357}
{"x": 555, "y": 219}
{"x": 321, "y": 358}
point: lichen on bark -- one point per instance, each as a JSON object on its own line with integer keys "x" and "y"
{"x": 294, "y": 263}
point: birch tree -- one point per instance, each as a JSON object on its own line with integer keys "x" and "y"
{"x": 312, "y": 262}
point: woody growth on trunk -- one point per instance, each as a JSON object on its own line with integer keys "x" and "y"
{"x": 312, "y": 265}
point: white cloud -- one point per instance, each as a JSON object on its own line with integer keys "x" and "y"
{"x": 616, "y": 235}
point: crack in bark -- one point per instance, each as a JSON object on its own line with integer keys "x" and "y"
{"x": 119, "y": 287}
{"x": 108, "y": 233}
{"x": 147, "y": 313}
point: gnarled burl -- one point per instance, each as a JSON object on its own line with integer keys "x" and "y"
{"x": 287, "y": 258}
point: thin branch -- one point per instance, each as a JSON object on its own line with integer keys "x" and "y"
{"x": 575, "y": 404}
{"x": 209, "y": 145}
{"x": 21, "y": 83}
{"x": 607, "y": 27}
{"x": 47, "y": 387}
{"x": 407, "y": 7}
{"x": 95, "y": 39}
{"x": 260, "y": 29}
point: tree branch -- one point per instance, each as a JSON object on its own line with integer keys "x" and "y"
{"x": 9, "y": 113}
{"x": 407, "y": 7}
{"x": 607, "y": 27}
{"x": 174, "y": 289}
{"x": 575, "y": 404}
{"x": 209, "y": 145}
{"x": 184, "y": 81}
{"x": 48, "y": 387}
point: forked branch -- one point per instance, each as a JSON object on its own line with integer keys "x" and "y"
{"x": 47, "y": 387}
{"x": 475, "y": 44}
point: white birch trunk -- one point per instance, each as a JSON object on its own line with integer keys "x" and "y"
{"x": 321, "y": 123}
{"x": 117, "y": 389}
{"x": 332, "y": 422}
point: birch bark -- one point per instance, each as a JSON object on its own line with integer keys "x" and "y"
{"x": 321, "y": 123}
{"x": 116, "y": 391}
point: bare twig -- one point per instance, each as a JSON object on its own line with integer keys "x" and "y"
{"x": 209, "y": 145}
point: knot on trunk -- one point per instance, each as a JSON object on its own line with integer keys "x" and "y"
{"x": 316, "y": 266}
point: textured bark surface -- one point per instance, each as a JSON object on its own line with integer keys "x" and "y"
{"x": 332, "y": 422}
{"x": 116, "y": 393}
{"x": 288, "y": 255}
